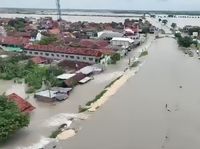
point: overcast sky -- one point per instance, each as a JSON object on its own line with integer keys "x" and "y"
{"x": 107, "y": 4}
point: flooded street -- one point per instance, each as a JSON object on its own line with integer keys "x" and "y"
{"x": 44, "y": 113}
{"x": 137, "y": 117}
{"x": 156, "y": 109}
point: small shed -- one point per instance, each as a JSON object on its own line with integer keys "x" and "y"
{"x": 89, "y": 70}
{"x": 74, "y": 80}
{"x": 54, "y": 94}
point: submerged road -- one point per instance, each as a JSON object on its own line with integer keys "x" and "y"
{"x": 137, "y": 117}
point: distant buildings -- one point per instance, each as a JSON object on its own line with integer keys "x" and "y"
{"x": 13, "y": 41}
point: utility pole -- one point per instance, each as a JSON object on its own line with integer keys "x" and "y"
{"x": 58, "y": 9}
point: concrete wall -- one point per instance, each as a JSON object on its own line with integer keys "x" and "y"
{"x": 61, "y": 56}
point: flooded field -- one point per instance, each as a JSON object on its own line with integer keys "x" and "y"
{"x": 137, "y": 116}
{"x": 76, "y": 18}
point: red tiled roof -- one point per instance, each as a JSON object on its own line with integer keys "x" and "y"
{"x": 19, "y": 34}
{"x": 106, "y": 51}
{"x": 23, "y": 105}
{"x": 57, "y": 49}
{"x": 54, "y": 31}
{"x": 38, "y": 60}
{"x": 13, "y": 41}
{"x": 89, "y": 43}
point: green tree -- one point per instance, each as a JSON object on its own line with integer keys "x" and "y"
{"x": 11, "y": 119}
{"x": 164, "y": 21}
{"x": 115, "y": 57}
{"x": 185, "y": 41}
{"x": 47, "y": 40}
{"x": 177, "y": 35}
{"x": 173, "y": 25}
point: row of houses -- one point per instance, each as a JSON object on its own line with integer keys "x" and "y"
{"x": 90, "y": 51}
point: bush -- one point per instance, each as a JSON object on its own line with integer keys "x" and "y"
{"x": 96, "y": 98}
{"x": 111, "y": 83}
{"x": 55, "y": 133}
{"x": 115, "y": 57}
{"x": 185, "y": 41}
{"x": 135, "y": 64}
{"x": 30, "y": 90}
{"x": 82, "y": 109}
{"x": 32, "y": 74}
{"x": 144, "y": 53}
{"x": 177, "y": 35}
{"x": 47, "y": 40}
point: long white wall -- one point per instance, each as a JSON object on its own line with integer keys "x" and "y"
{"x": 70, "y": 57}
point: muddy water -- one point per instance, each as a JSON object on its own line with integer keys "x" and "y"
{"x": 44, "y": 112}
{"x": 136, "y": 117}
{"x": 52, "y": 113}
{"x": 96, "y": 19}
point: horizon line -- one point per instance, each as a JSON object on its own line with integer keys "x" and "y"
{"x": 102, "y": 9}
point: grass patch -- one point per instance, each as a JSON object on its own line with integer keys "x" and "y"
{"x": 96, "y": 98}
{"x": 30, "y": 90}
{"x": 144, "y": 53}
{"x": 135, "y": 64}
{"x": 82, "y": 109}
{"x": 55, "y": 133}
{"x": 111, "y": 83}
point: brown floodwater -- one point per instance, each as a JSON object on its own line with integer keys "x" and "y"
{"x": 137, "y": 116}
{"x": 55, "y": 114}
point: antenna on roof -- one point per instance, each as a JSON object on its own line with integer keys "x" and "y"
{"x": 58, "y": 9}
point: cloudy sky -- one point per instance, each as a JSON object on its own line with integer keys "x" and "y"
{"x": 107, "y": 4}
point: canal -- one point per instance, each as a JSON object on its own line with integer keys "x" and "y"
{"x": 137, "y": 116}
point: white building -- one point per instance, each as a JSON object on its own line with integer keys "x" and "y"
{"x": 122, "y": 41}
{"x": 108, "y": 34}
{"x": 39, "y": 36}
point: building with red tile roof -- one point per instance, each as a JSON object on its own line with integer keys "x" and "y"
{"x": 90, "y": 43}
{"x": 20, "y": 34}
{"x": 13, "y": 41}
{"x": 63, "y": 53}
{"x": 22, "y": 104}
{"x": 54, "y": 31}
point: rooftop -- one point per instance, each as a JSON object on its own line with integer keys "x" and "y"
{"x": 13, "y": 41}
{"x": 123, "y": 39}
{"x": 23, "y": 105}
{"x": 65, "y": 76}
{"x": 64, "y": 50}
